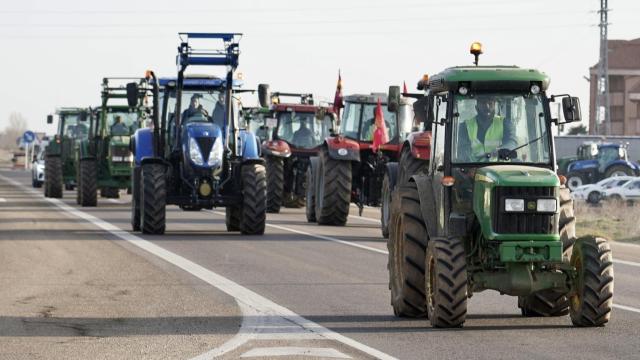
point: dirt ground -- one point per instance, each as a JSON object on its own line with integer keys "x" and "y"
{"x": 618, "y": 222}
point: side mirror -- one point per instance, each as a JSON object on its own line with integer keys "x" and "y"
{"x": 132, "y": 94}
{"x": 571, "y": 109}
{"x": 393, "y": 99}
{"x": 264, "y": 97}
{"x": 49, "y": 119}
{"x": 420, "y": 110}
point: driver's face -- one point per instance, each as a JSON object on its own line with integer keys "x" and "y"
{"x": 486, "y": 108}
{"x": 195, "y": 102}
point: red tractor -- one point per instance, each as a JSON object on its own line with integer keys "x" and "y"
{"x": 294, "y": 133}
{"x": 349, "y": 169}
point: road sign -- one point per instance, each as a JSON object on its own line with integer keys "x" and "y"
{"x": 28, "y": 137}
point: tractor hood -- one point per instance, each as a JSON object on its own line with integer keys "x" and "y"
{"x": 202, "y": 144}
{"x": 517, "y": 175}
{"x": 198, "y": 130}
{"x": 120, "y": 141}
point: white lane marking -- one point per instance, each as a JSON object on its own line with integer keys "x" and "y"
{"x": 321, "y": 237}
{"x": 628, "y": 308}
{"x": 265, "y": 312}
{"x": 625, "y": 262}
{"x": 116, "y": 201}
{"x": 3, "y": 200}
{"x": 622, "y": 244}
{"x": 295, "y": 351}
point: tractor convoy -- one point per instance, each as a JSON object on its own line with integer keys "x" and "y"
{"x": 465, "y": 173}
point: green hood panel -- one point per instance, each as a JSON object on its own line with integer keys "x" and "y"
{"x": 517, "y": 175}
{"x": 120, "y": 141}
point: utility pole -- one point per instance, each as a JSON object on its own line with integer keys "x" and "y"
{"x": 602, "y": 99}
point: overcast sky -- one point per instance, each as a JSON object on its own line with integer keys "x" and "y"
{"x": 55, "y": 52}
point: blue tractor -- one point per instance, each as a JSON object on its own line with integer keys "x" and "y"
{"x": 597, "y": 161}
{"x": 194, "y": 154}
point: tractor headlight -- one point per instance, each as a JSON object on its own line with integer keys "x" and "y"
{"x": 546, "y": 205}
{"x": 215, "y": 156}
{"x": 194, "y": 152}
{"x": 513, "y": 205}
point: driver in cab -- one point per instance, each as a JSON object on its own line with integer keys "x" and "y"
{"x": 195, "y": 111}
{"x": 480, "y": 136}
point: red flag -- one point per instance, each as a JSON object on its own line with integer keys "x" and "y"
{"x": 380, "y": 134}
{"x": 337, "y": 99}
{"x": 404, "y": 88}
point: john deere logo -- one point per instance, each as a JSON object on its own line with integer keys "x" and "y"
{"x": 531, "y": 205}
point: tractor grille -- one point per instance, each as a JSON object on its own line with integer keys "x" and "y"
{"x": 120, "y": 151}
{"x": 205, "y": 144}
{"x": 523, "y": 222}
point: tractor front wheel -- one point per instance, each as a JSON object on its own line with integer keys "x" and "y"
{"x": 54, "y": 178}
{"x": 385, "y": 207}
{"x": 135, "y": 199}
{"x": 153, "y": 199}
{"x": 407, "y": 246}
{"x": 310, "y": 199}
{"x": 254, "y": 199}
{"x": 88, "y": 183}
{"x": 333, "y": 196}
{"x": 574, "y": 180}
{"x": 446, "y": 282}
{"x": 275, "y": 183}
{"x": 592, "y": 298}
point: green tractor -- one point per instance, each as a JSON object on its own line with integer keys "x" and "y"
{"x": 104, "y": 159}
{"x": 490, "y": 211}
{"x": 60, "y": 167}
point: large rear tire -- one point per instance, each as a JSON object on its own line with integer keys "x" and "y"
{"x": 619, "y": 170}
{"x": 254, "y": 199}
{"x": 409, "y": 165}
{"x": 88, "y": 183}
{"x": 54, "y": 180}
{"x": 551, "y": 302}
{"x": 333, "y": 196}
{"x": 135, "y": 198}
{"x": 446, "y": 282}
{"x": 275, "y": 183}
{"x": 593, "y": 298}
{"x": 153, "y": 199}
{"x": 407, "y": 246}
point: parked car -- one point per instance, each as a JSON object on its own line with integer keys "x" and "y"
{"x": 592, "y": 193}
{"x": 629, "y": 192}
{"x": 37, "y": 170}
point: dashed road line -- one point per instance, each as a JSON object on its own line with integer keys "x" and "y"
{"x": 2, "y": 200}
{"x": 260, "y": 315}
{"x": 625, "y": 262}
{"x": 295, "y": 351}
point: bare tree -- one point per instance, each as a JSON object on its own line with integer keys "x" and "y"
{"x": 17, "y": 126}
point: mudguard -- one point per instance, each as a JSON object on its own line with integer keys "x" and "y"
{"x": 341, "y": 148}
{"x": 629, "y": 164}
{"x": 420, "y": 144}
{"x": 427, "y": 204}
{"x": 142, "y": 145}
{"x": 392, "y": 171}
{"x": 277, "y": 148}
{"x": 250, "y": 149}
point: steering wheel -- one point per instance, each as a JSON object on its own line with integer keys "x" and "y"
{"x": 501, "y": 154}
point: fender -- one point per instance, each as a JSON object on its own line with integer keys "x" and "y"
{"x": 142, "y": 145}
{"x": 420, "y": 144}
{"x": 278, "y": 148}
{"x": 250, "y": 149}
{"x": 341, "y": 148}
{"x": 392, "y": 171}
{"x": 427, "y": 204}
{"x": 625, "y": 163}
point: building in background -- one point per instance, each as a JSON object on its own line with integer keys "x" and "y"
{"x": 624, "y": 89}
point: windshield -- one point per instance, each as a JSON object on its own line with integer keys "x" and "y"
{"x": 199, "y": 106}
{"x": 485, "y": 123}
{"x": 303, "y": 130}
{"x": 72, "y": 128}
{"x": 610, "y": 153}
{"x": 121, "y": 123}
{"x": 358, "y": 121}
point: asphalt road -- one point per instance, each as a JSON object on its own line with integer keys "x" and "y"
{"x": 299, "y": 289}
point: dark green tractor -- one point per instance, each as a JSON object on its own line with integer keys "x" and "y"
{"x": 492, "y": 213}
{"x": 104, "y": 158}
{"x": 60, "y": 166}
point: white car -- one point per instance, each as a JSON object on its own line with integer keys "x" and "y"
{"x": 592, "y": 193}
{"x": 37, "y": 170}
{"x": 629, "y": 192}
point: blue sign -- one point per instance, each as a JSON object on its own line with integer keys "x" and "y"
{"x": 28, "y": 137}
